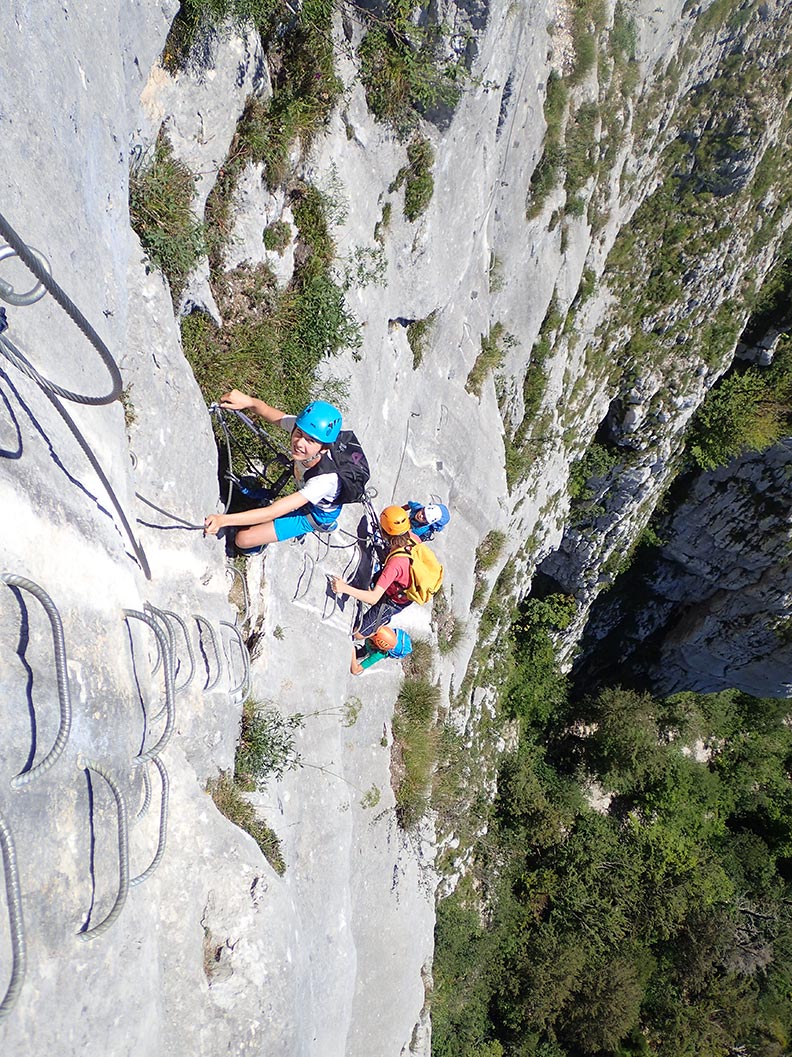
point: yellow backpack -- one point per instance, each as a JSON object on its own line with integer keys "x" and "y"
{"x": 426, "y": 572}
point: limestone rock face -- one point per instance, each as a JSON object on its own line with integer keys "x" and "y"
{"x": 726, "y": 571}
{"x": 214, "y": 952}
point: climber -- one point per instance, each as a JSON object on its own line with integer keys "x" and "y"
{"x": 426, "y": 521}
{"x": 387, "y": 597}
{"x": 385, "y": 642}
{"x": 314, "y": 506}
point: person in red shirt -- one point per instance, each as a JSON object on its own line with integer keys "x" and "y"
{"x": 386, "y": 598}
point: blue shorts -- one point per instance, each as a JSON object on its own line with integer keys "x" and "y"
{"x": 298, "y": 524}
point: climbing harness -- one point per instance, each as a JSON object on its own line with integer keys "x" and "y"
{"x": 269, "y": 467}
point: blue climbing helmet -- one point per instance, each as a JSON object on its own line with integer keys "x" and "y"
{"x": 320, "y": 421}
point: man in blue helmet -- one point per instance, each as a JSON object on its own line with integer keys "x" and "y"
{"x": 314, "y": 506}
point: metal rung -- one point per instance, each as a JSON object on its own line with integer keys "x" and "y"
{"x": 123, "y": 851}
{"x": 204, "y": 624}
{"x": 244, "y": 686}
{"x": 163, "y": 826}
{"x": 15, "y": 920}
{"x": 59, "y": 646}
{"x": 170, "y": 693}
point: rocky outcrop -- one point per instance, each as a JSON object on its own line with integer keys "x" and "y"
{"x": 725, "y": 575}
{"x": 715, "y": 597}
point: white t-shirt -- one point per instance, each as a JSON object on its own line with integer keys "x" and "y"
{"x": 322, "y": 489}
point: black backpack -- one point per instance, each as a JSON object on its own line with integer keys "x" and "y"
{"x": 351, "y": 465}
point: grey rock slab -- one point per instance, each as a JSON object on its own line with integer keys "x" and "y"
{"x": 362, "y": 889}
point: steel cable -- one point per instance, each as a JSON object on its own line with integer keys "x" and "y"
{"x": 53, "y": 391}
{"x": 140, "y": 554}
{"x": 149, "y": 608}
{"x": 165, "y": 616}
{"x": 31, "y": 261}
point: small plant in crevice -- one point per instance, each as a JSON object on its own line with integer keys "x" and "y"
{"x": 489, "y": 550}
{"x": 366, "y": 266}
{"x": 277, "y": 236}
{"x": 518, "y": 442}
{"x": 266, "y": 745}
{"x": 589, "y": 18}
{"x": 305, "y": 92}
{"x": 272, "y": 339}
{"x": 493, "y": 346}
{"x": 547, "y": 169}
{"x": 449, "y": 628}
{"x": 266, "y": 750}
{"x": 417, "y": 178}
{"x": 198, "y": 22}
{"x": 581, "y": 150}
{"x": 130, "y": 413}
{"x": 420, "y": 663}
{"x": 371, "y": 797}
{"x": 495, "y": 277}
{"x": 487, "y": 554}
{"x": 161, "y": 189}
{"x": 623, "y": 39}
{"x": 418, "y": 335}
{"x": 594, "y": 465}
{"x": 382, "y": 225}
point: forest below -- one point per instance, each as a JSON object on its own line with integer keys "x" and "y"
{"x": 658, "y": 921}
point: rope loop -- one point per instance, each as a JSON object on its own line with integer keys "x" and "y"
{"x": 32, "y": 259}
{"x": 9, "y": 294}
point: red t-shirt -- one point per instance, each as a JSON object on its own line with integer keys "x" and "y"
{"x": 395, "y": 576}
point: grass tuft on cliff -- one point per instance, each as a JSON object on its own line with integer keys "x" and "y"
{"x": 403, "y": 69}
{"x": 415, "y": 747}
{"x": 265, "y": 751}
{"x": 161, "y": 189}
{"x": 273, "y": 339}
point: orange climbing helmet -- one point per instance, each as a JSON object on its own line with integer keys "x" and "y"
{"x": 395, "y": 520}
{"x": 384, "y": 638}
